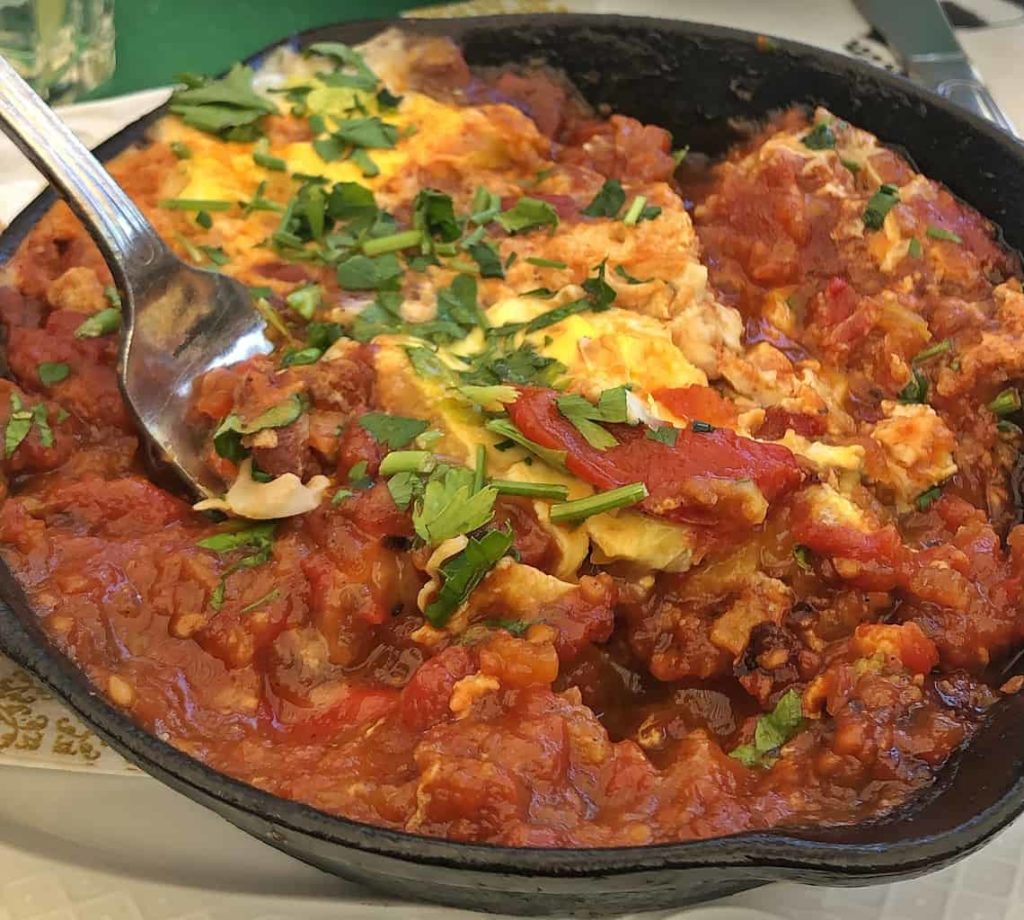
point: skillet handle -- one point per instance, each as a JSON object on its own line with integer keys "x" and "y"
{"x": 124, "y": 236}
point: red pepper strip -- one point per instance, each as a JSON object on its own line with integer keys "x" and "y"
{"x": 688, "y": 481}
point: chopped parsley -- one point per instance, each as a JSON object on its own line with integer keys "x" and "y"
{"x": 916, "y": 391}
{"x": 914, "y": 248}
{"x": 926, "y": 499}
{"x": 450, "y": 505}
{"x": 820, "y": 137}
{"x": 258, "y": 538}
{"x": 295, "y": 357}
{"x": 620, "y": 270}
{"x": 305, "y": 300}
{"x": 228, "y": 107}
{"x": 51, "y": 372}
{"x": 802, "y": 557}
{"x": 19, "y": 424}
{"x": 351, "y": 70}
{"x": 393, "y": 431}
{"x": 227, "y": 439}
{"x": 585, "y": 416}
{"x": 366, "y": 273}
{"x": 528, "y": 214}
{"x": 505, "y": 429}
{"x": 666, "y": 434}
{"x": 463, "y": 572}
{"x": 773, "y": 730}
{"x": 608, "y": 201}
{"x": 434, "y": 214}
{"x": 880, "y": 204}
{"x": 181, "y": 150}
{"x": 599, "y": 297}
{"x": 487, "y": 258}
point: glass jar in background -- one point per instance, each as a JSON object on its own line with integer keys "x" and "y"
{"x": 64, "y": 48}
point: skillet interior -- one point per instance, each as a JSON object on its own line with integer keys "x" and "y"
{"x": 691, "y": 79}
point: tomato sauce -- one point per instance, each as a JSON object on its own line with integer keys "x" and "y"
{"x": 624, "y": 709}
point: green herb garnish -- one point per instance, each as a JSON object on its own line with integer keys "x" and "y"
{"x": 880, "y": 204}
{"x": 599, "y": 503}
{"x": 608, "y": 201}
{"x": 51, "y": 372}
{"x": 228, "y": 107}
{"x": 99, "y": 324}
{"x": 940, "y": 233}
{"x": 394, "y": 431}
{"x": 1006, "y": 403}
{"x": 528, "y": 214}
{"x": 820, "y": 137}
{"x": 464, "y": 571}
{"x": 772, "y": 731}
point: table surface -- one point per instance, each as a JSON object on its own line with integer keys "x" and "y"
{"x": 158, "y": 38}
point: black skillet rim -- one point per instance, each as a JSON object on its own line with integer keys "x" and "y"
{"x": 771, "y": 853}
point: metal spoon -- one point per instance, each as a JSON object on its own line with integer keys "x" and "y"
{"x": 177, "y": 322}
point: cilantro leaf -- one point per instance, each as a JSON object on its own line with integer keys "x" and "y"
{"x": 366, "y": 273}
{"x": 19, "y": 424}
{"x": 586, "y": 417}
{"x": 451, "y": 507}
{"x": 51, "y": 372}
{"x": 820, "y": 137}
{"x": 229, "y": 107}
{"x": 257, "y": 536}
{"x": 347, "y": 59}
{"x": 368, "y": 132}
{"x": 608, "y": 201}
{"x": 395, "y": 431}
{"x": 434, "y": 213}
{"x": 351, "y": 201}
{"x": 227, "y": 439}
{"x": 600, "y": 295}
{"x": 504, "y": 428}
{"x": 487, "y": 259}
{"x": 526, "y": 214}
{"x": 464, "y": 571}
{"x": 772, "y": 731}
{"x": 323, "y": 335}
{"x": 665, "y": 435}
{"x": 305, "y": 300}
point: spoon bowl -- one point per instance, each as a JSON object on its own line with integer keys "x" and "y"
{"x": 178, "y": 322}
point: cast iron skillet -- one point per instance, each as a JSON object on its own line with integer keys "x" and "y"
{"x": 691, "y": 79}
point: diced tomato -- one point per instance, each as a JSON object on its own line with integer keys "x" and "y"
{"x": 356, "y": 705}
{"x": 846, "y": 541}
{"x": 697, "y": 403}
{"x": 836, "y": 303}
{"x": 778, "y": 421}
{"x": 907, "y": 641}
{"x": 680, "y": 478}
{"x": 425, "y": 697}
{"x": 358, "y": 445}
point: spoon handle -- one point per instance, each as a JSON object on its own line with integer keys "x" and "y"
{"x": 127, "y": 240}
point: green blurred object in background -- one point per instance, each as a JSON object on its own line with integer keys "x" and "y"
{"x": 64, "y": 48}
{"x": 158, "y": 38}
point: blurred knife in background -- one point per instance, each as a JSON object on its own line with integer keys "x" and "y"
{"x": 922, "y": 40}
